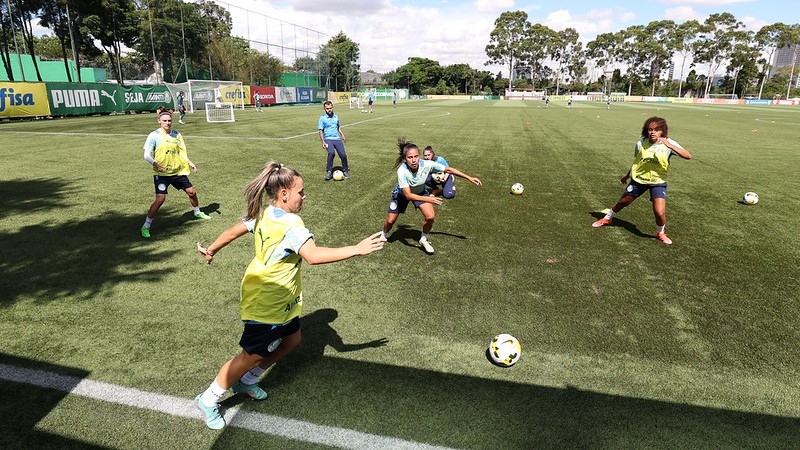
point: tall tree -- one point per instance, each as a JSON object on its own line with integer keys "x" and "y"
{"x": 26, "y": 11}
{"x": 603, "y": 50}
{"x": 742, "y": 56}
{"x": 562, "y": 51}
{"x": 767, "y": 41}
{"x": 507, "y": 40}
{"x": 6, "y": 38}
{"x": 719, "y": 33}
{"x": 340, "y": 55}
{"x": 656, "y": 50}
{"x": 682, "y": 41}
{"x": 114, "y": 24}
{"x": 790, "y": 38}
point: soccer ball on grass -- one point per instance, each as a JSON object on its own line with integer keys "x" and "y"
{"x": 517, "y": 188}
{"x": 750, "y": 198}
{"x": 504, "y": 350}
{"x": 338, "y": 175}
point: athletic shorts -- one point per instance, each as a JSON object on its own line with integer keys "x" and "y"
{"x": 635, "y": 189}
{"x": 264, "y": 338}
{"x": 163, "y": 182}
{"x": 399, "y": 202}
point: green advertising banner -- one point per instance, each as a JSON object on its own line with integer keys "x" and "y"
{"x": 146, "y": 98}
{"x": 71, "y": 99}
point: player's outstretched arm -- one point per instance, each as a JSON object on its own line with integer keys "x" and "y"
{"x": 461, "y": 174}
{"x": 227, "y": 236}
{"x": 322, "y": 255}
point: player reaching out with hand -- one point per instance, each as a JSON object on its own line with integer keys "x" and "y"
{"x": 271, "y": 290}
{"x": 412, "y": 172}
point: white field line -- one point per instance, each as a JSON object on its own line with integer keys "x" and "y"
{"x": 194, "y": 137}
{"x": 235, "y": 417}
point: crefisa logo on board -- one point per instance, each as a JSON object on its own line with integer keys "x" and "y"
{"x": 10, "y": 98}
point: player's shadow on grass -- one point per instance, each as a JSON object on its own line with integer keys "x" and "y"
{"x": 26, "y": 406}
{"x": 461, "y": 411}
{"x": 69, "y": 257}
{"x": 29, "y": 196}
{"x": 621, "y": 223}
{"x": 410, "y": 236}
{"x": 318, "y": 334}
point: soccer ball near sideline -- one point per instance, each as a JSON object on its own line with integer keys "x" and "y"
{"x": 750, "y": 198}
{"x": 504, "y": 350}
{"x": 517, "y": 188}
{"x": 338, "y": 175}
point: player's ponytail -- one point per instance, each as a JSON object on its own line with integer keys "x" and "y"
{"x": 273, "y": 177}
{"x": 403, "y": 146}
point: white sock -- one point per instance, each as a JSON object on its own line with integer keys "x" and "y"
{"x": 610, "y": 214}
{"x": 147, "y": 222}
{"x": 253, "y": 375}
{"x": 197, "y": 210}
{"x": 424, "y": 237}
{"x": 661, "y": 228}
{"x": 212, "y": 395}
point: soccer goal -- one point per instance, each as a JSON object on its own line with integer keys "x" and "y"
{"x": 200, "y": 92}
{"x": 724, "y": 96}
{"x": 355, "y": 102}
{"x": 219, "y": 112}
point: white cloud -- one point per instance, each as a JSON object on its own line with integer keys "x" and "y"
{"x": 591, "y": 23}
{"x": 490, "y": 6}
{"x": 357, "y": 8}
{"x": 705, "y": 2}
{"x": 683, "y": 13}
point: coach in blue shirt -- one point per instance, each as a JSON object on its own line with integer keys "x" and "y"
{"x": 330, "y": 133}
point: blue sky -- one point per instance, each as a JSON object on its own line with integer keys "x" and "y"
{"x": 457, "y": 31}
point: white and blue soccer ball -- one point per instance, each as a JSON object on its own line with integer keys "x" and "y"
{"x": 504, "y": 350}
{"x": 439, "y": 177}
{"x": 750, "y": 198}
{"x": 338, "y": 175}
{"x": 517, "y": 188}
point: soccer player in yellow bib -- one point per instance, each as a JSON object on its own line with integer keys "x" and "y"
{"x": 165, "y": 150}
{"x": 649, "y": 172}
{"x": 271, "y": 292}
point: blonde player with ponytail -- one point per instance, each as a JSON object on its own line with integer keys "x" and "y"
{"x": 271, "y": 292}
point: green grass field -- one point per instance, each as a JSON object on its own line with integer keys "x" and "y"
{"x": 626, "y": 342}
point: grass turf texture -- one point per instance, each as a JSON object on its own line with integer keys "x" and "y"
{"x": 626, "y": 342}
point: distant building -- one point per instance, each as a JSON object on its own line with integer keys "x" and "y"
{"x": 783, "y": 58}
{"x": 371, "y": 78}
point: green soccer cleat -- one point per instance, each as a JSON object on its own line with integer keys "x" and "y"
{"x": 145, "y": 232}
{"x": 214, "y": 419}
{"x": 253, "y": 390}
{"x": 202, "y": 215}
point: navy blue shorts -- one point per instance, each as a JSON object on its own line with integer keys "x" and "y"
{"x": 163, "y": 182}
{"x": 635, "y": 189}
{"x": 264, "y": 338}
{"x": 399, "y": 202}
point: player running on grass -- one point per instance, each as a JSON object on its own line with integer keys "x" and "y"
{"x": 649, "y": 173}
{"x": 271, "y": 290}
{"x": 411, "y": 175}
{"x": 166, "y": 151}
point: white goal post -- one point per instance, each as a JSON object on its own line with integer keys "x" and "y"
{"x": 219, "y": 112}
{"x": 355, "y": 102}
{"x": 198, "y": 93}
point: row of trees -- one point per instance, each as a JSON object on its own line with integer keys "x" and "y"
{"x": 190, "y": 40}
{"x": 641, "y": 55}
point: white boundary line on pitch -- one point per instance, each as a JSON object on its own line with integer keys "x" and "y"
{"x": 235, "y": 417}
{"x": 193, "y": 137}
